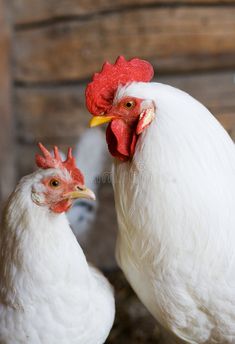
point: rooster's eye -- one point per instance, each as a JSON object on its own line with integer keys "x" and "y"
{"x": 129, "y": 104}
{"x": 54, "y": 183}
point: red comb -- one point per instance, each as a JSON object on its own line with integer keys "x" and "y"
{"x": 50, "y": 161}
{"x": 100, "y": 92}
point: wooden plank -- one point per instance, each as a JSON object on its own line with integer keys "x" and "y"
{"x": 6, "y": 135}
{"x": 58, "y": 115}
{"x": 53, "y": 114}
{"x": 194, "y": 38}
{"x": 30, "y": 11}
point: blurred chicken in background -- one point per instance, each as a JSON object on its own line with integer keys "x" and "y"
{"x": 92, "y": 163}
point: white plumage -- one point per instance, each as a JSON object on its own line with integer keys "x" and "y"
{"x": 48, "y": 292}
{"x": 175, "y": 205}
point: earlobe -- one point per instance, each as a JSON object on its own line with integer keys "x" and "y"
{"x": 37, "y": 198}
{"x": 145, "y": 119}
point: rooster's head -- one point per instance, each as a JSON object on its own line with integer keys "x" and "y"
{"x": 108, "y": 100}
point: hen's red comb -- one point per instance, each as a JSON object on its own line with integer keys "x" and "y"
{"x": 100, "y": 92}
{"x": 50, "y": 161}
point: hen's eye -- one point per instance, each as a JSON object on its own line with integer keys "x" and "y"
{"x": 54, "y": 183}
{"x": 130, "y": 104}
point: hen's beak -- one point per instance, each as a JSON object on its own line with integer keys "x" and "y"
{"x": 83, "y": 193}
{"x": 98, "y": 120}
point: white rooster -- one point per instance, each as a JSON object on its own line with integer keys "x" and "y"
{"x": 48, "y": 292}
{"x": 174, "y": 184}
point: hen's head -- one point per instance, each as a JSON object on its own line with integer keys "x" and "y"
{"x": 108, "y": 100}
{"x": 60, "y": 181}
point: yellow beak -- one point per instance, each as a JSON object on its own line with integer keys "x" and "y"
{"x": 85, "y": 193}
{"x": 98, "y": 120}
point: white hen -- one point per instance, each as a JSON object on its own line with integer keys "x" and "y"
{"x": 174, "y": 184}
{"x": 48, "y": 292}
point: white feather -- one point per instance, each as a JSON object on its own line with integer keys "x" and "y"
{"x": 48, "y": 292}
{"x": 175, "y": 205}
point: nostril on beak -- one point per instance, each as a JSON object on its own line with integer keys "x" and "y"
{"x": 79, "y": 188}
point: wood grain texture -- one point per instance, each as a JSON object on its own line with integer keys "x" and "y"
{"x": 31, "y": 11}
{"x": 54, "y": 115}
{"x": 6, "y": 134}
{"x": 58, "y": 115}
{"x": 173, "y": 39}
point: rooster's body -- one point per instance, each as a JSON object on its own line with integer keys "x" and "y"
{"x": 48, "y": 292}
{"x": 175, "y": 199}
{"x": 175, "y": 205}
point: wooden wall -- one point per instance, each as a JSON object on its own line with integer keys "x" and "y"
{"x": 7, "y": 167}
{"x": 59, "y": 44}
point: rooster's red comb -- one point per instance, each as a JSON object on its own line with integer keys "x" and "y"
{"x": 100, "y": 92}
{"x": 47, "y": 160}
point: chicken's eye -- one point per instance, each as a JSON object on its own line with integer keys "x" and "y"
{"x": 54, "y": 183}
{"x": 129, "y": 104}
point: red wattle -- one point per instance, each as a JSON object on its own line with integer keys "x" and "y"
{"x": 61, "y": 206}
{"x": 121, "y": 139}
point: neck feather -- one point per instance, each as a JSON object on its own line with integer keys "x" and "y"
{"x": 34, "y": 244}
